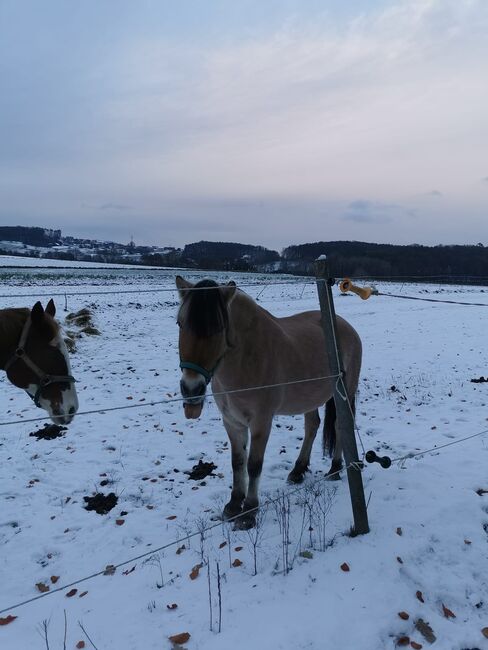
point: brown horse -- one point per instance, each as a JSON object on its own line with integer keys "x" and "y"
{"x": 34, "y": 356}
{"x": 229, "y": 340}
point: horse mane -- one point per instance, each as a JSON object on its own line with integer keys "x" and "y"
{"x": 205, "y": 310}
{"x": 12, "y": 321}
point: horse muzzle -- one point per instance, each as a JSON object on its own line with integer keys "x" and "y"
{"x": 62, "y": 417}
{"x": 193, "y": 410}
{"x": 194, "y": 396}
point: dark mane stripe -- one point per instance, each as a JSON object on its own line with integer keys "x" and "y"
{"x": 205, "y": 311}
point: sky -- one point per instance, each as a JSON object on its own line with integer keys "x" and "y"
{"x": 271, "y": 123}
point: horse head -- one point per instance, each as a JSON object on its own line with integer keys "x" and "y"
{"x": 203, "y": 319}
{"x": 40, "y": 365}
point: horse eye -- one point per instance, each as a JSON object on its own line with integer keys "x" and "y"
{"x": 178, "y": 323}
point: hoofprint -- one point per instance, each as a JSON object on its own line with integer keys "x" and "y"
{"x": 415, "y": 392}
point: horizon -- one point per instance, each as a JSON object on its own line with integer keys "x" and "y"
{"x": 292, "y": 121}
{"x": 246, "y": 243}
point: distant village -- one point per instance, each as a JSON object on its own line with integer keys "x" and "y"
{"x": 52, "y": 244}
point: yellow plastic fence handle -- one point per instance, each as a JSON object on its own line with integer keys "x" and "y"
{"x": 363, "y": 292}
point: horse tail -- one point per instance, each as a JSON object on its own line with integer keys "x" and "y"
{"x": 329, "y": 432}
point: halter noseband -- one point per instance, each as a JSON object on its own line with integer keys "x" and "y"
{"x": 44, "y": 378}
{"x": 206, "y": 374}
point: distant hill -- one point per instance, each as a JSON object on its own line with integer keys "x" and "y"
{"x": 219, "y": 256}
{"x": 206, "y": 254}
{"x": 361, "y": 258}
{"x": 30, "y": 236}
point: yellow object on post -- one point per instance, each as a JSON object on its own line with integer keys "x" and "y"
{"x": 363, "y": 292}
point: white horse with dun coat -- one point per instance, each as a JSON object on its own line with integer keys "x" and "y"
{"x": 34, "y": 356}
{"x": 228, "y": 340}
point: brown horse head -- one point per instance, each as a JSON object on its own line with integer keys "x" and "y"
{"x": 37, "y": 360}
{"x": 203, "y": 319}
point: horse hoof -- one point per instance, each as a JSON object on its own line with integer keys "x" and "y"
{"x": 245, "y": 522}
{"x": 296, "y": 478}
{"x": 230, "y": 511}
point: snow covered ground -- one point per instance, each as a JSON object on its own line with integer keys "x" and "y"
{"x": 428, "y": 543}
{"x": 34, "y": 262}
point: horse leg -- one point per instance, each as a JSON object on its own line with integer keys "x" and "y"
{"x": 259, "y": 439}
{"x": 334, "y": 437}
{"x": 312, "y": 422}
{"x": 332, "y": 441}
{"x": 238, "y": 435}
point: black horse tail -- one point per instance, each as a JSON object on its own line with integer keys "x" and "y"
{"x": 329, "y": 432}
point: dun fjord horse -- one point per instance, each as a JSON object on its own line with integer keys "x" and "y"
{"x": 229, "y": 340}
{"x": 34, "y": 356}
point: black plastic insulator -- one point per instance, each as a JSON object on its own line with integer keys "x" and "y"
{"x": 372, "y": 457}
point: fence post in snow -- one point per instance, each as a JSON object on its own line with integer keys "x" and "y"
{"x": 345, "y": 419}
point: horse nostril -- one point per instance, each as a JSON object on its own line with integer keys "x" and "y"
{"x": 72, "y": 410}
{"x": 198, "y": 390}
{"x": 184, "y": 390}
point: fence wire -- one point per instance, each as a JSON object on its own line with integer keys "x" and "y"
{"x": 448, "y": 302}
{"x": 112, "y": 567}
{"x": 163, "y": 289}
{"x": 172, "y": 400}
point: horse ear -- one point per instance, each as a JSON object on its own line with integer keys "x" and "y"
{"x": 37, "y": 314}
{"x": 51, "y": 308}
{"x": 183, "y": 285}
{"x": 229, "y": 291}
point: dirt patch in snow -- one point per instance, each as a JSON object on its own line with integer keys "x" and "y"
{"x": 49, "y": 432}
{"x": 101, "y": 503}
{"x": 201, "y": 471}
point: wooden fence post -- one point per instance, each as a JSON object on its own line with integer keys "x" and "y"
{"x": 345, "y": 419}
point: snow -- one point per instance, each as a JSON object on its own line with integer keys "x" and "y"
{"x": 428, "y": 352}
{"x": 44, "y": 262}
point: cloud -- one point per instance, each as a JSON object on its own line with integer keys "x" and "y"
{"x": 240, "y": 130}
{"x": 107, "y": 206}
{"x": 115, "y": 206}
{"x": 362, "y": 211}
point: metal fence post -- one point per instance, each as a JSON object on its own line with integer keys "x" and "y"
{"x": 345, "y": 419}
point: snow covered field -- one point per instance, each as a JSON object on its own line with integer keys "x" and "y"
{"x": 34, "y": 262}
{"x": 428, "y": 515}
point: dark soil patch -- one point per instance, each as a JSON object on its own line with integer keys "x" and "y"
{"x": 91, "y": 331}
{"x": 82, "y": 313}
{"x": 101, "y": 503}
{"x": 480, "y": 380}
{"x": 49, "y": 432}
{"x": 202, "y": 470}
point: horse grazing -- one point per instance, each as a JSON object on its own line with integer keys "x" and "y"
{"x": 35, "y": 358}
{"x": 227, "y": 339}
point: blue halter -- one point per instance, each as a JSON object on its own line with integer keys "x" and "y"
{"x": 201, "y": 371}
{"x": 207, "y": 374}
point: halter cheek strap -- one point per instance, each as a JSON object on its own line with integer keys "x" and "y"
{"x": 44, "y": 378}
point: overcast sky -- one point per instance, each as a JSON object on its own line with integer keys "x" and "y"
{"x": 269, "y": 122}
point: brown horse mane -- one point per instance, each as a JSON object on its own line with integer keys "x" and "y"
{"x": 205, "y": 311}
{"x": 13, "y": 320}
